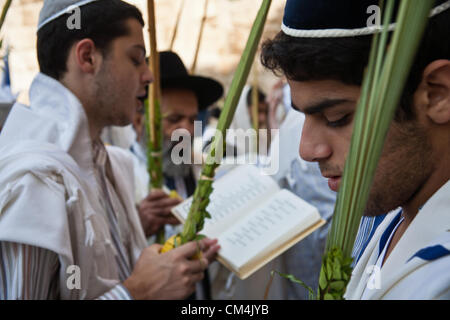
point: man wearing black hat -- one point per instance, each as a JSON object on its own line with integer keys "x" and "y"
{"x": 183, "y": 97}
{"x": 323, "y": 51}
{"x": 68, "y": 224}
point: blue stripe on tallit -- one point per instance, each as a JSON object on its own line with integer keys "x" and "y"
{"x": 369, "y": 226}
{"x": 387, "y": 233}
{"x": 431, "y": 253}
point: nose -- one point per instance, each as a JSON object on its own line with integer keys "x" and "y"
{"x": 313, "y": 143}
{"x": 147, "y": 76}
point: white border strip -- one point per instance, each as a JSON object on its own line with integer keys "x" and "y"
{"x": 333, "y": 33}
{"x": 64, "y": 11}
{"x": 339, "y": 33}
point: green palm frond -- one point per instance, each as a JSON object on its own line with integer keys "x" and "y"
{"x": 198, "y": 212}
{"x": 153, "y": 115}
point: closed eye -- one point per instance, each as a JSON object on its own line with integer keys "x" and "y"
{"x": 173, "y": 119}
{"x": 136, "y": 62}
{"x": 341, "y": 122}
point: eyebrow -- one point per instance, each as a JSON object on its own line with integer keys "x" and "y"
{"x": 321, "y": 106}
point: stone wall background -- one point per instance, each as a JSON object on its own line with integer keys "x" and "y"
{"x": 226, "y": 30}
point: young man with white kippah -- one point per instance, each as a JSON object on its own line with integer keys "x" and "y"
{"x": 323, "y": 50}
{"x": 68, "y": 224}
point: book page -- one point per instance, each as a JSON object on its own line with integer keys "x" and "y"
{"x": 266, "y": 228}
{"x": 234, "y": 196}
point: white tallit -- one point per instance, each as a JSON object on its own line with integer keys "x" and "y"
{"x": 419, "y": 265}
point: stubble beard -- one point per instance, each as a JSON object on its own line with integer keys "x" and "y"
{"x": 108, "y": 109}
{"x": 405, "y": 165}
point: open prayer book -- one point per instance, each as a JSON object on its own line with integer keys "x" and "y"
{"x": 253, "y": 219}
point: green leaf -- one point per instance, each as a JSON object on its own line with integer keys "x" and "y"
{"x": 337, "y": 285}
{"x": 328, "y": 296}
{"x": 292, "y": 278}
{"x": 323, "y": 283}
{"x": 199, "y": 237}
{"x": 337, "y": 269}
{"x": 337, "y": 296}
{"x": 329, "y": 269}
{"x": 345, "y": 277}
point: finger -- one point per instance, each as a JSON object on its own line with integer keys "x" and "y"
{"x": 205, "y": 243}
{"x": 161, "y": 213}
{"x": 152, "y": 221}
{"x": 172, "y": 221}
{"x": 167, "y": 202}
{"x": 212, "y": 253}
{"x": 156, "y": 194}
{"x": 197, "y": 265}
{"x": 161, "y": 203}
{"x": 186, "y": 251}
{"x": 210, "y": 249}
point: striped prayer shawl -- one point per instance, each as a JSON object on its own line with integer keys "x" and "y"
{"x": 29, "y": 272}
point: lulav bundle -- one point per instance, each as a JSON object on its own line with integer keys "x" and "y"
{"x": 5, "y": 10}
{"x": 198, "y": 213}
{"x": 153, "y": 108}
{"x": 153, "y": 115}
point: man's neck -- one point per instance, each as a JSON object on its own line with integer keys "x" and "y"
{"x": 75, "y": 85}
{"x": 437, "y": 179}
{"x": 94, "y": 129}
{"x": 412, "y": 207}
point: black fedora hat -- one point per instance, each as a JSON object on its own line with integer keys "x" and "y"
{"x": 174, "y": 75}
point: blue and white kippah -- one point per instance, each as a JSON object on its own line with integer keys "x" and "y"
{"x": 53, "y": 9}
{"x": 335, "y": 18}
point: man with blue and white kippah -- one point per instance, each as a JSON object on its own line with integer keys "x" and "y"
{"x": 69, "y": 228}
{"x": 323, "y": 50}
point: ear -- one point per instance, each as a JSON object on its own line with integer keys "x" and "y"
{"x": 87, "y": 56}
{"x": 436, "y": 91}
